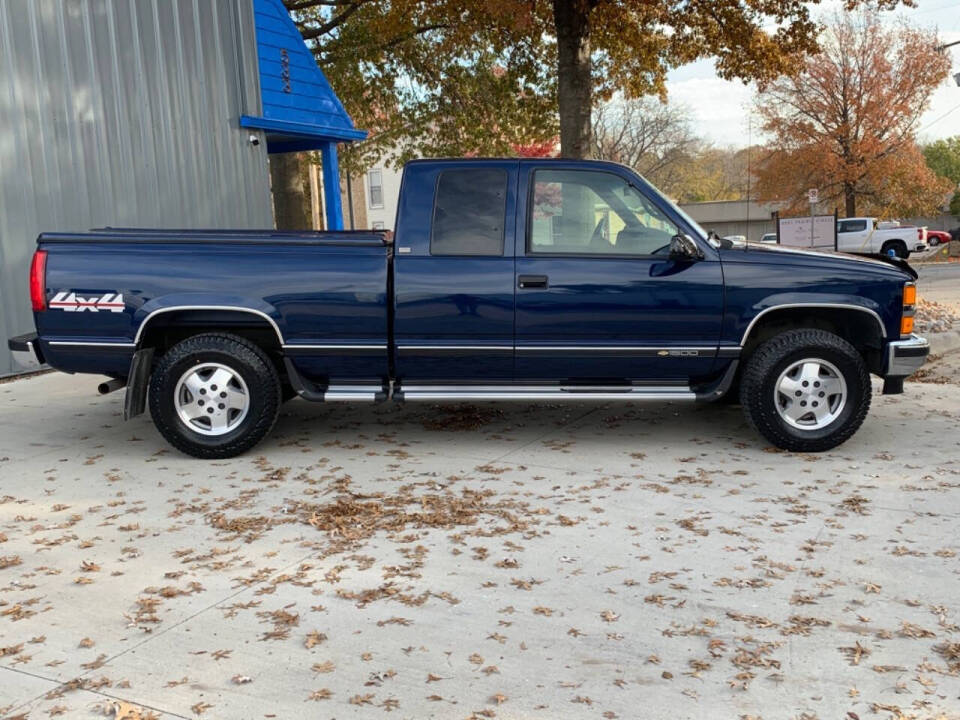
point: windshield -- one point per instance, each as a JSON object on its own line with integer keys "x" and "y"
{"x": 689, "y": 220}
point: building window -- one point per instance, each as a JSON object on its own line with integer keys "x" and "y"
{"x": 375, "y": 181}
{"x": 378, "y": 226}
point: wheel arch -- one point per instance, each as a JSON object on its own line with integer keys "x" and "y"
{"x": 165, "y": 326}
{"x": 859, "y": 325}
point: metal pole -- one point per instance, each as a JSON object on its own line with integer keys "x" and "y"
{"x": 350, "y": 198}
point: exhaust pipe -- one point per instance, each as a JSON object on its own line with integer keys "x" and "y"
{"x": 110, "y": 385}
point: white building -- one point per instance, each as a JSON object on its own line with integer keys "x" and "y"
{"x": 382, "y": 186}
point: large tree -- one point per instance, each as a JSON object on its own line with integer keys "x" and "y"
{"x": 654, "y": 138}
{"x": 448, "y": 75}
{"x": 845, "y": 121}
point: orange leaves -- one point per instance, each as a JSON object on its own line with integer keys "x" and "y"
{"x": 844, "y": 122}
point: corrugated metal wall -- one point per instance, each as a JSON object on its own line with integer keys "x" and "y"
{"x": 123, "y": 112}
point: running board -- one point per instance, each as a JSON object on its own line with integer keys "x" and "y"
{"x": 543, "y": 392}
{"x": 332, "y": 393}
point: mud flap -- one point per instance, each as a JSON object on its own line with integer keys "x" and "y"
{"x": 138, "y": 379}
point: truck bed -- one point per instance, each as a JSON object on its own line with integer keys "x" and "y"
{"x": 308, "y": 291}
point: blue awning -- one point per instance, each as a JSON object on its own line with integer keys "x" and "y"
{"x": 300, "y": 109}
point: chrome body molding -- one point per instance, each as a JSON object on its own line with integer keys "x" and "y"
{"x": 335, "y": 346}
{"x": 787, "y": 306}
{"x": 90, "y": 343}
{"x": 457, "y": 348}
{"x": 228, "y": 308}
{"x": 430, "y": 393}
{"x": 904, "y": 357}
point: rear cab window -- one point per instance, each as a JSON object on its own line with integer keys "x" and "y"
{"x": 469, "y": 212}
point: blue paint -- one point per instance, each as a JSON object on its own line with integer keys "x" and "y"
{"x": 296, "y": 97}
{"x": 331, "y": 186}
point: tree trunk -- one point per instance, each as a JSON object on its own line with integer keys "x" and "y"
{"x": 291, "y": 196}
{"x": 574, "y": 81}
{"x": 850, "y": 198}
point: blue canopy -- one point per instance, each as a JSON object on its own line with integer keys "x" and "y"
{"x": 300, "y": 109}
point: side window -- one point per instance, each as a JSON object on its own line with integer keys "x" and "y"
{"x": 852, "y": 226}
{"x": 469, "y": 212}
{"x": 577, "y": 212}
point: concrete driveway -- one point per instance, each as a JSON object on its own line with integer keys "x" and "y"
{"x": 507, "y": 561}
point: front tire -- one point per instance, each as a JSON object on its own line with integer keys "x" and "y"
{"x": 805, "y": 390}
{"x": 214, "y": 396}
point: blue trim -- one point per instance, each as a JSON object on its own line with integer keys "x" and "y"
{"x": 303, "y": 130}
{"x": 331, "y": 187}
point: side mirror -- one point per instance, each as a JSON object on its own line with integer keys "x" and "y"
{"x": 683, "y": 247}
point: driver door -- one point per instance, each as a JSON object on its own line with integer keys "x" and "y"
{"x": 598, "y": 298}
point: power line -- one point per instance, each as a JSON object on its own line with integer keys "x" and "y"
{"x": 934, "y": 122}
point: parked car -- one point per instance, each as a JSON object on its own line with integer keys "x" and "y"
{"x": 769, "y": 238}
{"x": 935, "y": 237}
{"x": 519, "y": 279}
{"x": 867, "y": 236}
{"x": 735, "y": 238}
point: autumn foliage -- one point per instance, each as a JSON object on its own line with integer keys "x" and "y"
{"x": 845, "y": 123}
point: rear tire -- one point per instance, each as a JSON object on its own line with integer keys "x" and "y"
{"x": 805, "y": 390}
{"x": 898, "y": 247}
{"x": 214, "y": 396}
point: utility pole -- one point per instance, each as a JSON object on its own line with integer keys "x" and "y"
{"x": 941, "y": 48}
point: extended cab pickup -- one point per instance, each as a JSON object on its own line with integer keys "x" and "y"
{"x": 531, "y": 279}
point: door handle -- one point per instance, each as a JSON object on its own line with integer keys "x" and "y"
{"x": 531, "y": 281}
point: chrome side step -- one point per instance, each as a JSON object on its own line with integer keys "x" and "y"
{"x": 333, "y": 393}
{"x": 543, "y": 392}
{"x": 352, "y": 393}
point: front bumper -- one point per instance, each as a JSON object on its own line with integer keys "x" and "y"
{"x": 26, "y": 351}
{"x": 904, "y": 357}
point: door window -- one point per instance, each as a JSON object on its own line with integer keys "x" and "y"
{"x": 469, "y": 212}
{"x": 584, "y": 212}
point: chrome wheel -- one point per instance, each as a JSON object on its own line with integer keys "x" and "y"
{"x": 211, "y": 399}
{"x": 810, "y": 394}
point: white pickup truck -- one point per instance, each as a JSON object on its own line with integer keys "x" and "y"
{"x": 867, "y": 236}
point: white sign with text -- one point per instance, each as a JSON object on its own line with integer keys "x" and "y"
{"x": 796, "y": 232}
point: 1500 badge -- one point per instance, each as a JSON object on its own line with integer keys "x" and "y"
{"x": 69, "y": 301}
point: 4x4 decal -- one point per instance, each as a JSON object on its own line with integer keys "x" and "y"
{"x": 69, "y": 301}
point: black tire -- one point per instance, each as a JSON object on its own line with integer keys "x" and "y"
{"x": 899, "y": 248}
{"x": 763, "y": 369}
{"x": 244, "y": 359}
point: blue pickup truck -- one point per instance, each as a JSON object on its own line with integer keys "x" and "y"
{"x": 507, "y": 279}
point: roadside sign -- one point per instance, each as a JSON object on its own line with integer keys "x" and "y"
{"x": 804, "y": 232}
{"x": 813, "y": 195}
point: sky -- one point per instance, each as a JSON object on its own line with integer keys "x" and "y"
{"x": 721, "y": 108}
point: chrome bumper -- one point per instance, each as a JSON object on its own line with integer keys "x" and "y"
{"x": 24, "y": 351}
{"x": 904, "y": 357}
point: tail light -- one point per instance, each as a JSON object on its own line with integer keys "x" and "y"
{"x": 38, "y": 281}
